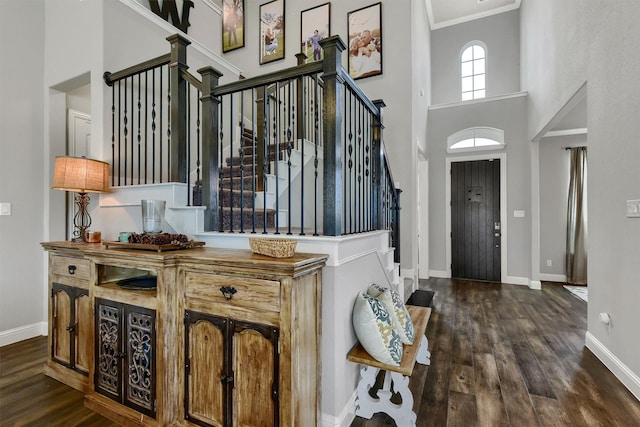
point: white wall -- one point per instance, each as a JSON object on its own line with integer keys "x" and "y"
{"x": 500, "y": 33}
{"x": 597, "y": 44}
{"x": 21, "y": 167}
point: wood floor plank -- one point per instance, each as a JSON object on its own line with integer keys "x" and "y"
{"x": 462, "y": 410}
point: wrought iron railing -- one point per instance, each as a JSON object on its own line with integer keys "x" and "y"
{"x": 298, "y": 151}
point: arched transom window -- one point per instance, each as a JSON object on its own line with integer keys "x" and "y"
{"x": 472, "y": 70}
{"x": 476, "y": 138}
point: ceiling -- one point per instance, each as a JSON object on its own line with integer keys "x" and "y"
{"x": 443, "y": 13}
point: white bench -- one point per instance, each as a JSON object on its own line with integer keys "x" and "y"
{"x": 398, "y": 376}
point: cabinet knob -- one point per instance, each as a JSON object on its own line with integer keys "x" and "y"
{"x": 227, "y": 292}
{"x": 72, "y": 269}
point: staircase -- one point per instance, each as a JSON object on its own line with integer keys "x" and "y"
{"x": 239, "y": 185}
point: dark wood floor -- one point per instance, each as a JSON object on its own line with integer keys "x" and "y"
{"x": 29, "y": 398}
{"x": 501, "y": 355}
{"x": 504, "y": 355}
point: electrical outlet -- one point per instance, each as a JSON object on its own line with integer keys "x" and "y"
{"x": 549, "y": 263}
{"x": 5, "y": 208}
{"x": 633, "y": 208}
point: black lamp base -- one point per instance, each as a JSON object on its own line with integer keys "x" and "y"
{"x": 82, "y": 219}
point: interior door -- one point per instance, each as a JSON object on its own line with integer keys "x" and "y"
{"x": 475, "y": 220}
{"x": 78, "y": 145}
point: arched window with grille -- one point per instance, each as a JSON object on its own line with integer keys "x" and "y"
{"x": 473, "y": 61}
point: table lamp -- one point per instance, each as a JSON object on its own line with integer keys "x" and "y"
{"x": 82, "y": 176}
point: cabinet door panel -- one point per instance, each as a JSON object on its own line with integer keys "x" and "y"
{"x": 83, "y": 348}
{"x": 255, "y": 362}
{"x": 108, "y": 356}
{"x": 140, "y": 346}
{"x": 61, "y": 340}
{"x": 204, "y": 399}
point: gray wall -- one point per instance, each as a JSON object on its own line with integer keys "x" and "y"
{"x": 500, "y": 33}
{"x": 510, "y": 116}
{"x": 21, "y": 163}
{"x": 554, "y": 190}
{"x": 597, "y": 44}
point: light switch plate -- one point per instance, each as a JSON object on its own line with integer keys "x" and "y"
{"x": 518, "y": 214}
{"x": 633, "y": 208}
{"x": 5, "y": 208}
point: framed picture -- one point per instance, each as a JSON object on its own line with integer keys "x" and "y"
{"x": 314, "y": 26}
{"x": 271, "y": 31}
{"x": 232, "y": 25}
{"x": 365, "y": 41}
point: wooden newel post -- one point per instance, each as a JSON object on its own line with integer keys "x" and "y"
{"x": 333, "y": 113}
{"x": 377, "y": 158}
{"x": 210, "y": 148}
{"x": 178, "y": 109}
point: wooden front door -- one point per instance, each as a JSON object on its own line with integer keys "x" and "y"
{"x": 475, "y": 220}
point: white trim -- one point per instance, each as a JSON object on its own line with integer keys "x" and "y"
{"x": 467, "y": 18}
{"x": 217, "y": 9}
{"x": 566, "y": 132}
{"x": 485, "y": 132}
{"x": 575, "y": 99}
{"x": 439, "y": 274}
{"x": 503, "y": 207}
{"x": 170, "y": 29}
{"x": 535, "y": 285}
{"x": 347, "y": 415}
{"x": 553, "y": 277}
{"x": 514, "y": 280}
{"x": 615, "y": 365}
{"x": 478, "y": 101}
{"x": 22, "y": 333}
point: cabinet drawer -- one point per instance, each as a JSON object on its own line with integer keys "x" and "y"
{"x": 65, "y": 266}
{"x": 244, "y": 292}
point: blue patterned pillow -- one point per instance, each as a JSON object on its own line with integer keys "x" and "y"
{"x": 375, "y": 330}
{"x": 397, "y": 310}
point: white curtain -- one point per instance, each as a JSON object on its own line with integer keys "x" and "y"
{"x": 577, "y": 218}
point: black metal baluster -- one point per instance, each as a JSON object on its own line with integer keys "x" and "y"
{"x": 350, "y": 173}
{"x": 241, "y": 162}
{"x": 359, "y": 154}
{"x": 198, "y": 184}
{"x": 231, "y": 165}
{"x": 139, "y": 126}
{"x": 132, "y": 144}
{"x": 302, "y": 138}
{"x": 276, "y": 152}
{"x": 289, "y": 150}
{"x": 316, "y": 142}
{"x": 265, "y": 153}
{"x": 113, "y": 134}
{"x": 161, "y": 97}
{"x": 146, "y": 125}
{"x": 254, "y": 154}
{"x": 168, "y": 127}
{"x": 188, "y": 143}
{"x": 221, "y": 163}
{"x": 367, "y": 173}
{"x": 153, "y": 126}
{"x": 126, "y": 132}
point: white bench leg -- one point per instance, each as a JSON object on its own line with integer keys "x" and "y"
{"x": 424, "y": 356}
{"x": 366, "y": 405}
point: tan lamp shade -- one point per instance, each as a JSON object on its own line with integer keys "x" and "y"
{"x": 81, "y": 175}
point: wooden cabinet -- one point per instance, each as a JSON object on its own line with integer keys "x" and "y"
{"x": 228, "y": 337}
{"x": 71, "y": 309}
{"x": 225, "y": 361}
{"x": 125, "y": 355}
{"x": 70, "y": 321}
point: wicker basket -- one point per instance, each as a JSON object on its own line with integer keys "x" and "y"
{"x": 276, "y": 248}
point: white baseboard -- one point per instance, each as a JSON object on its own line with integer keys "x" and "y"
{"x": 23, "y": 333}
{"x": 439, "y": 273}
{"x": 513, "y": 280}
{"x": 553, "y": 277}
{"x": 615, "y": 365}
{"x": 346, "y": 417}
{"x": 535, "y": 285}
